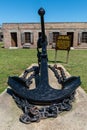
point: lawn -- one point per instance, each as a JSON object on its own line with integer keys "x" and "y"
{"x": 15, "y": 61}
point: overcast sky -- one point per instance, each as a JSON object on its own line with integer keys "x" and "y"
{"x": 56, "y": 10}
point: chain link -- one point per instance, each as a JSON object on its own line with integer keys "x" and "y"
{"x": 60, "y": 77}
{"x": 34, "y": 114}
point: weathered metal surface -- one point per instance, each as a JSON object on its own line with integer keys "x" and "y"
{"x": 44, "y": 93}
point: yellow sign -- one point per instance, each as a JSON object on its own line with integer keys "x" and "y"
{"x": 63, "y": 42}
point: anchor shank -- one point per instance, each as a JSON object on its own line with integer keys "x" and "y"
{"x": 42, "y": 28}
{"x": 44, "y": 68}
{"x": 44, "y": 65}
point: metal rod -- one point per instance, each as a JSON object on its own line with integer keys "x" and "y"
{"x": 41, "y": 12}
{"x": 44, "y": 59}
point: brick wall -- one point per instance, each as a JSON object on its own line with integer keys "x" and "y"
{"x": 35, "y": 28}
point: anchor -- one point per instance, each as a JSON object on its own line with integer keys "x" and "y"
{"x": 43, "y": 93}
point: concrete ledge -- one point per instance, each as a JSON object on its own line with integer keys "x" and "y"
{"x": 76, "y": 119}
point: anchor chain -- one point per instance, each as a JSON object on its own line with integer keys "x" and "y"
{"x": 28, "y": 81}
{"x": 33, "y": 113}
{"x": 61, "y": 75}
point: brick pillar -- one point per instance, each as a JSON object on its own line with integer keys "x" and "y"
{"x": 49, "y": 37}
{"x": 79, "y": 37}
{"x": 32, "y": 38}
{"x": 35, "y": 38}
{"x": 75, "y": 41}
{"x": 7, "y": 39}
{"x": 19, "y": 38}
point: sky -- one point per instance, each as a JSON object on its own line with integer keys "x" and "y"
{"x": 26, "y": 11}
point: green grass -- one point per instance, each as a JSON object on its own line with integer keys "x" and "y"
{"x": 77, "y": 64}
{"x": 15, "y": 61}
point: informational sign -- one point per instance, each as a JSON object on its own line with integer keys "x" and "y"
{"x": 63, "y": 42}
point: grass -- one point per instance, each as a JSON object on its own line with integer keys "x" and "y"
{"x": 15, "y": 61}
{"x": 77, "y": 64}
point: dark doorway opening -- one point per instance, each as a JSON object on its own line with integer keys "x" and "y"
{"x": 27, "y": 37}
{"x": 14, "y": 39}
{"x": 71, "y": 34}
{"x": 84, "y": 37}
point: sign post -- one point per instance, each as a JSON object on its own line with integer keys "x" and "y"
{"x": 63, "y": 42}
